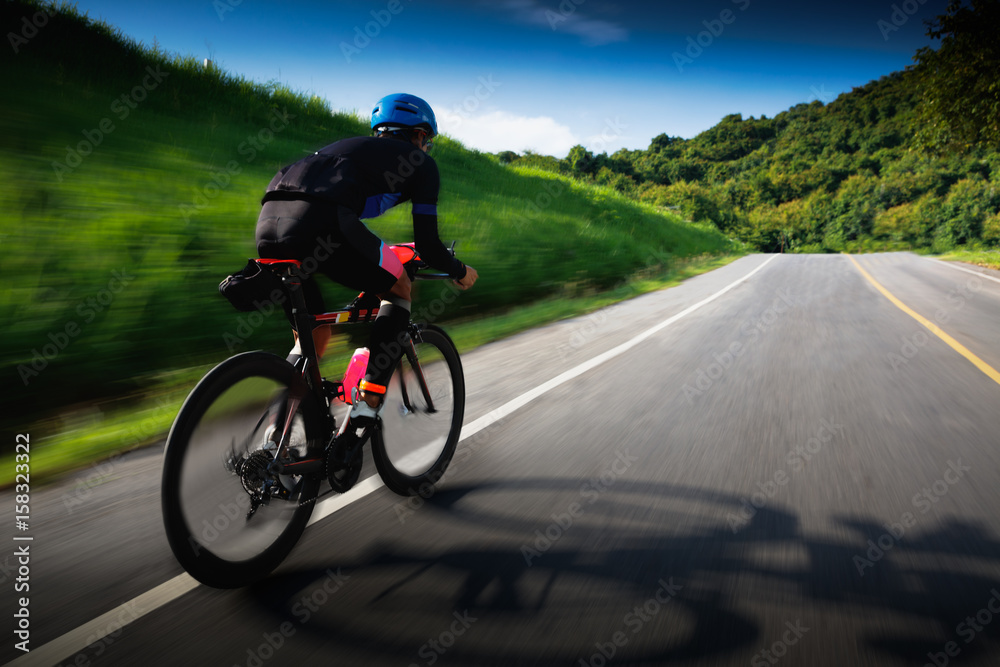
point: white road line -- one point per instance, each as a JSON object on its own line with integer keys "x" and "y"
{"x": 79, "y": 639}
{"x": 507, "y": 408}
{"x": 962, "y": 268}
{"x": 327, "y": 507}
{"x": 76, "y": 641}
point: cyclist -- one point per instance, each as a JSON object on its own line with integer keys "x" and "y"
{"x": 314, "y": 207}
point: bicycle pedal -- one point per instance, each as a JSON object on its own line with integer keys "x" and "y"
{"x": 334, "y": 391}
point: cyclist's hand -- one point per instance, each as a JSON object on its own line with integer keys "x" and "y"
{"x": 471, "y": 275}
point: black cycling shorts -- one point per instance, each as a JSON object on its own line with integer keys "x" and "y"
{"x": 313, "y": 232}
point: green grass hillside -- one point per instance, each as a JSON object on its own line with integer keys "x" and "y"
{"x": 132, "y": 181}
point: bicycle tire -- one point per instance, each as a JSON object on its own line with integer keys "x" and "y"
{"x": 412, "y": 447}
{"x": 200, "y": 468}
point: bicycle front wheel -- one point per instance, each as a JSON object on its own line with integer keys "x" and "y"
{"x": 422, "y": 418}
{"x": 229, "y": 520}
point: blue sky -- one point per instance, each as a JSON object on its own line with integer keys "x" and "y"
{"x": 546, "y": 74}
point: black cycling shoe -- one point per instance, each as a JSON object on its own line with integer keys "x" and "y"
{"x": 363, "y": 414}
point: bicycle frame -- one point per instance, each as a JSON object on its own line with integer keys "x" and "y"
{"x": 308, "y": 363}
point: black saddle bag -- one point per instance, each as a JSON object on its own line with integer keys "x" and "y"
{"x": 252, "y": 288}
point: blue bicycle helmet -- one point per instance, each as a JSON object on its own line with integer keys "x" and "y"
{"x": 397, "y": 111}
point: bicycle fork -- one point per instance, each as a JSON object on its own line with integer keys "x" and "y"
{"x": 410, "y": 351}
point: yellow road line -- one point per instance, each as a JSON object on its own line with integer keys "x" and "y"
{"x": 935, "y": 329}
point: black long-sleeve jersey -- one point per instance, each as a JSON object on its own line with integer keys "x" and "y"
{"x": 370, "y": 175}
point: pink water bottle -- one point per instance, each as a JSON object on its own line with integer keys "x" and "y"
{"x": 355, "y": 372}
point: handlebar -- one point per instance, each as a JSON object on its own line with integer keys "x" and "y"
{"x": 415, "y": 266}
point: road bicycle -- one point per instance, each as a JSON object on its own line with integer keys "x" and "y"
{"x": 258, "y": 437}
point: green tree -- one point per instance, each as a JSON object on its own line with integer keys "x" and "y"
{"x": 581, "y": 160}
{"x": 991, "y": 229}
{"x": 960, "y": 81}
{"x": 902, "y": 224}
{"x": 620, "y": 182}
{"x": 969, "y": 202}
{"x": 507, "y": 157}
{"x": 855, "y": 206}
{"x": 695, "y": 201}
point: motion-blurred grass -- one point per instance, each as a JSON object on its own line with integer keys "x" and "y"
{"x": 111, "y": 262}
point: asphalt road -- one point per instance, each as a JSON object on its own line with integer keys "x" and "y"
{"x": 796, "y": 472}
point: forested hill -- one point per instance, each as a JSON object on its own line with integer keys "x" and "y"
{"x": 848, "y": 175}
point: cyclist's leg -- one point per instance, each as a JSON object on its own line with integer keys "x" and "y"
{"x": 321, "y": 338}
{"x": 366, "y": 263}
{"x": 300, "y": 230}
{"x": 386, "y": 347}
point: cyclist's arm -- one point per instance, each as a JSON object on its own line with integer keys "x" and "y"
{"x": 425, "y": 222}
{"x": 428, "y": 243}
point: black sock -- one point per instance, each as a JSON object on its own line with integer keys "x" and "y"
{"x": 386, "y": 347}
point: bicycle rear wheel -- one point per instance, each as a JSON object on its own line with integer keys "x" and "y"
{"x": 422, "y": 419}
{"x": 230, "y": 521}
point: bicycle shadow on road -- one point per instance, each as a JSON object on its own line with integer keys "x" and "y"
{"x": 603, "y": 576}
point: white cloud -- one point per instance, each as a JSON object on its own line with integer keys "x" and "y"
{"x": 597, "y": 33}
{"x": 497, "y": 131}
{"x": 567, "y": 17}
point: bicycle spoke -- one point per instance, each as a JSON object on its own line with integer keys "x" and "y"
{"x": 229, "y": 518}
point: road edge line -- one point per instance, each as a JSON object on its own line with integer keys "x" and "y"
{"x": 511, "y": 406}
{"x": 990, "y": 372}
{"x": 91, "y": 632}
{"x": 962, "y": 268}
